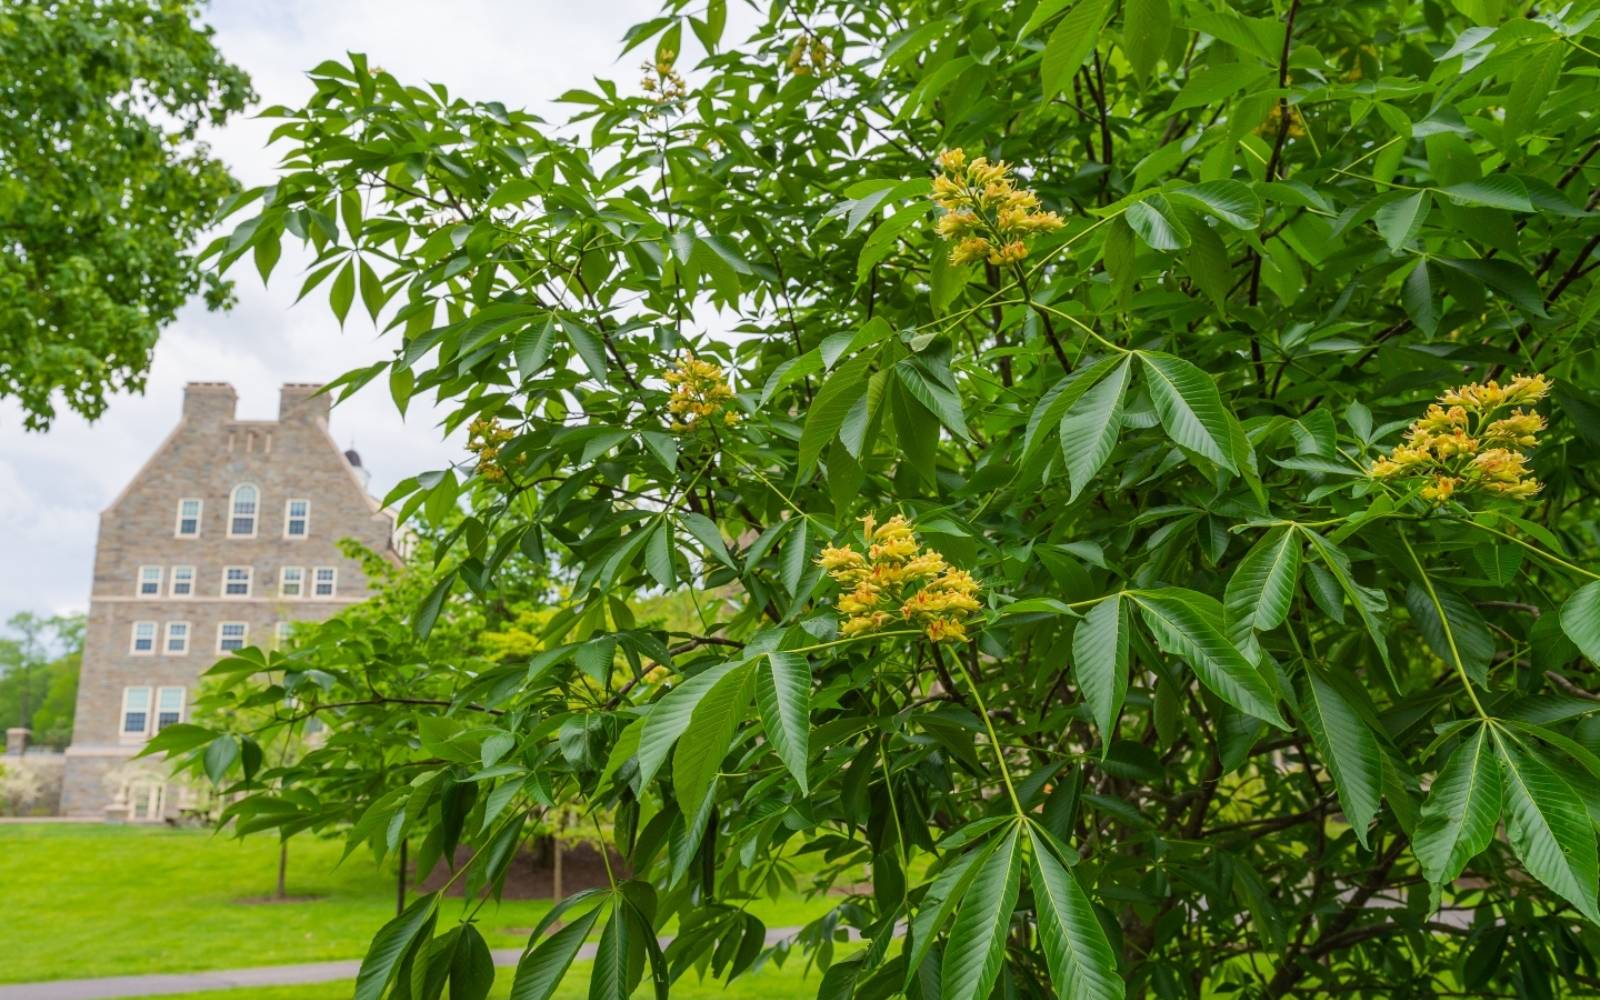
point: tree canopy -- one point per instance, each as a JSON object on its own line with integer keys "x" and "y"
{"x": 104, "y": 190}
{"x": 1132, "y": 466}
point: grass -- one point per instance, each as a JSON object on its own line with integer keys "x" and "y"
{"x": 86, "y": 900}
{"x": 792, "y": 982}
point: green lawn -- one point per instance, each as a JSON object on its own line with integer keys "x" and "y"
{"x": 90, "y": 900}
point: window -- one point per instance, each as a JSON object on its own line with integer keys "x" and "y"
{"x": 183, "y": 581}
{"x": 323, "y": 584}
{"x": 230, "y": 636}
{"x": 281, "y": 632}
{"x": 144, "y": 638}
{"x": 292, "y": 581}
{"x": 149, "y": 581}
{"x": 135, "y": 711}
{"x": 177, "y": 638}
{"x": 297, "y": 518}
{"x": 243, "y": 522}
{"x": 169, "y": 707}
{"x": 236, "y": 581}
{"x": 189, "y": 517}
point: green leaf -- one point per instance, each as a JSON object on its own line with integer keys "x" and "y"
{"x": 1461, "y": 810}
{"x": 1153, "y": 220}
{"x": 1146, "y": 26}
{"x": 1070, "y": 44}
{"x": 471, "y": 966}
{"x": 1231, "y": 201}
{"x": 1082, "y": 964}
{"x": 541, "y": 970}
{"x": 977, "y": 944}
{"x": 1348, "y": 748}
{"x": 1510, "y": 280}
{"x": 219, "y": 756}
{"x": 1100, "y": 662}
{"x": 1399, "y": 221}
{"x": 939, "y": 901}
{"x": 343, "y": 291}
{"x": 1548, "y": 828}
{"x": 1538, "y": 68}
{"x": 1182, "y": 629}
{"x": 1494, "y": 191}
{"x": 428, "y": 610}
{"x": 612, "y": 977}
{"x": 1090, "y": 427}
{"x": 828, "y": 409}
{"x": 1339, "y": 566}
{"x": 670, "y": 716}
{"x": 1420, "y": 301}
{"x": 704, "y": 743}
{"x": 1190, "y": 408}
{"x": 1580, "y": 620}
{"x": 1263, "y": 584}
{"x": 706, "y": 533}
{"x": 1468, "y": 631}
{"x": 783, "y": 693}
{"x": 390, "y": 945}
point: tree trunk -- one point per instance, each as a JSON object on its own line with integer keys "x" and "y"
{"x": 283, "y": 868}
{"x": 555, "y": 869}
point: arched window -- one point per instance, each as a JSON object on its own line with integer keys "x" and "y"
{"x": 243, "y": 522}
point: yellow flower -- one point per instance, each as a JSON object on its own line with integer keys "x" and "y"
{"x": 699, "y": 391}
{"x": 484, "y": 438}
{"x": 897, "y": 580}
{"x": 1466, "y": 442}
{"x": 987, "y": 217}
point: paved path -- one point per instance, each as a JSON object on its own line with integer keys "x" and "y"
{"x": 228, "y": 979}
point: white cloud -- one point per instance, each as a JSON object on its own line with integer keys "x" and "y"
{"x": 53, "y": 486}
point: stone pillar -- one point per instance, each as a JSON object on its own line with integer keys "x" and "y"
{"x": 17, "y": 740}
{"x": 209, "y": 402}
{"x": 303, "y": 401}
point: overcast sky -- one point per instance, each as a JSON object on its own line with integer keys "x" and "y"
{"x": 53, "y": 486}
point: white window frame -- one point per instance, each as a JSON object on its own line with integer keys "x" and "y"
{"x": 138, "y": 583}
{"x": 333, "y": 583}
{"x": 255, "y": 514}
{"x": 280, "y": 633}
{"x": 172, "y": 582}
{"x": 199, "y": 514}
{"x": 133, "y": 639}
{"x": 166, "y": 642}
{"x": 155, "y": 712}
{"x": 288, "y": 518}
{"x": 125, "y": 734}
{"x": 249, "y": 582}
{"x": 299, "y": 582}
{"x": 244, "y": 635}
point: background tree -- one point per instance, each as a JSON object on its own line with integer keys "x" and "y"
{"x": 1072, "y": 539}
{"x": 105, "y": 190}
{"x": 39, "y": 661}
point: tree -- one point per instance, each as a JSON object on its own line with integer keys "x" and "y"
{"x": 105, "y": 190}
{"x": 39, "y": 662}
{"x": 1034, "y": 402}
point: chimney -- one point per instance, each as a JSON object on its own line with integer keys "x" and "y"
{"x": 300, "y": 401}
{"x": 209, "y": 402}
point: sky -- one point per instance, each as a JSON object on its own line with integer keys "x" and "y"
{"x": 53, "y": 486}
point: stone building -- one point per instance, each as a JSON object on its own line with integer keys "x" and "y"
{"x": 228, "y": 533}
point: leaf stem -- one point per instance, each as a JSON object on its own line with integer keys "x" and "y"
{"x": 994, "y": 740}
{"x": 1444, "y": 623}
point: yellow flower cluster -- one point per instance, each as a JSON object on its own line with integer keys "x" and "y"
{"x": 662, "y": 80}
{"x": 484, "y": 439}
{"x": 986, "y": 215}
{"x": 897, "y": 580}
{"x": 809, "y": 56}
{"x": 1297, "y": 122}
{"x": 1471, "y": 440}
{"x": 699, "y": 392}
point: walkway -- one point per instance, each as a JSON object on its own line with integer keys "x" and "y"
{"x": 229, "y": 979}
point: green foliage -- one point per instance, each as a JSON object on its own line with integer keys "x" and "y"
{"x": 1240, "y": 677}
{"x": 105, "y": 190}
{"x": 39, "y": 662}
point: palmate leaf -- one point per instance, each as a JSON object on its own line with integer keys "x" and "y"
{"x": 1190, "y": 408}
{"x": 1263, "y": 585}
{"x": 1090, "y": 426}
{"x": 783, "y": 694}
{"x": 1580, "y": 620}
{"x": 670, "y": 716}
{"x": 390, "y": 945}
{"x": 939, "y": 902}
{"x": 978, "y": 937}
{"x": 1461, "y": 810}
{"x": 702, "y": 746}
{"x": 1100, "y": 662}
{"x": 1348, "y": 748}
{"x": 618, "y": 959}
{"x": 1180, "y": 627}
{"x": 1082, "y": 964}
{"x": 1548, "y": 827}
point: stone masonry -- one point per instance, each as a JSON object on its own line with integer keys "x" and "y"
{"x": 150, "y": 540}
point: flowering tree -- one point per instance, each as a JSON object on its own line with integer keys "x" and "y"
{"x": 1020, "y": 394}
